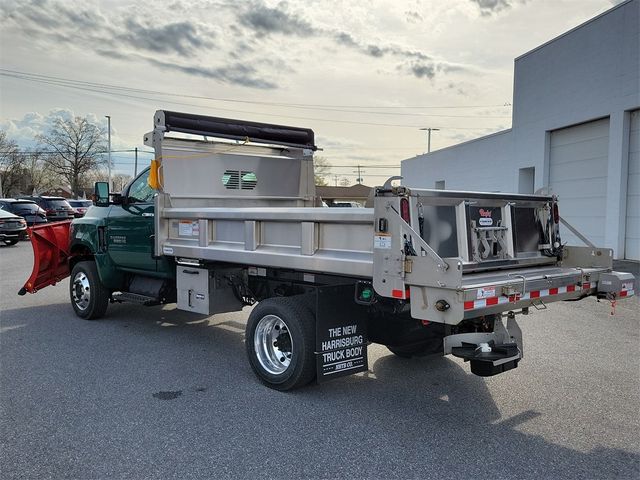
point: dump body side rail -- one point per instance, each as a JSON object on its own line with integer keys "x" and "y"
{"x": 322, "y": 240}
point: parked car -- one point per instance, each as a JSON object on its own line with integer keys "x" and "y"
{"x": 346, "y": 204}
{"x": 80, "y": 206}
{"x": 57, "y": 208}
{"x": 27, "y": 209}
{"x": 12, "y": 228}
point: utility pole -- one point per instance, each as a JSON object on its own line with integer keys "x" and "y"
{"x": 429, "y": 130}
{"x": 335, "y": 180}
{"x": 359, "y": 172}
{"x": 109, "y": 148}
{"x": 135, "y": 165}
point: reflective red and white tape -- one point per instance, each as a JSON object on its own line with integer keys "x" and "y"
{"x": 491, "y": 301}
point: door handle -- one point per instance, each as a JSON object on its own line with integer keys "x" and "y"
{"x": 148, "y": 214}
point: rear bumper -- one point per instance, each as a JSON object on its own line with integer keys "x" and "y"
{"x": 536, "y": 288}
{"x": 492, "y": 293}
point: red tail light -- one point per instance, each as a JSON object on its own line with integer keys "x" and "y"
{"x": 404, "y": 210}
{"x": 50, "y": 210}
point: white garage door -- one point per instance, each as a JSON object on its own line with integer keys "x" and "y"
{"x": 632, "y": 235}
{"x": 578, "y": 175}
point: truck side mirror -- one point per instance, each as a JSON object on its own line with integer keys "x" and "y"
{"x": 101, "y": 190}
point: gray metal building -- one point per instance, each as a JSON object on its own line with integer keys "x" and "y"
{"x": 575, "y": 131}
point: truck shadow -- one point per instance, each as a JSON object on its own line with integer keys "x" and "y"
{"x": 422, "y": 418}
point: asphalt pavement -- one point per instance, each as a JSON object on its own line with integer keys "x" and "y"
{"x": 152, "y": 392}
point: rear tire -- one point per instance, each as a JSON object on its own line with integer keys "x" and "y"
{"x": 89, "y": 297}
{"x": 280, "y": 341}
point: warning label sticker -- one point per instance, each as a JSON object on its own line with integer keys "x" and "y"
{"x": 382, "y": 241}
{"x": 188, "y": 228}
{"x": 486, "y": 292}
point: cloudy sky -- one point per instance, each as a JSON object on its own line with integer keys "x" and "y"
{"x": 365, "y": 75}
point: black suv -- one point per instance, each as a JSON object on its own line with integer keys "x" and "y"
{"x": 56, "y": 208}
{"x": 27, "y": 209}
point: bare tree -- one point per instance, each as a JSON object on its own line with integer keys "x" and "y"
{"x": 11, "y": 163}
{"x": 95, "y": 175}
{"x": 40, "y": 177}
{"x": 78, "y": 145}
{"x": 321, "y": 169}
{"x": 120, "y": 181}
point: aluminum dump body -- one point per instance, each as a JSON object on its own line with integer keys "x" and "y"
{"x": 476, "y": 253}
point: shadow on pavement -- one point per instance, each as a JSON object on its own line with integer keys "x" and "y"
{"x": 403, "y": 419}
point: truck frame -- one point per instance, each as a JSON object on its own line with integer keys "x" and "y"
{"x": 227, "y": 216}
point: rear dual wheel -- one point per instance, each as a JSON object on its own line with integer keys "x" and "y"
{"x": 280, "y": 342}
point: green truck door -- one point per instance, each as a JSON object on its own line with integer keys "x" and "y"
{"x": 130, "y": 227}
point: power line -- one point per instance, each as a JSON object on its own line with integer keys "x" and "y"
{"x": 366, "y": 165}
{"x": 136, "y": 97}
{"x": 53, "y": 152}
{"x": 337, "y": 108}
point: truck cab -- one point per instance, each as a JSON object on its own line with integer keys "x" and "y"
{"x": 129, "y": 227}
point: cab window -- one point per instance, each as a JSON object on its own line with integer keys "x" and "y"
{"x": 140, "y": 191}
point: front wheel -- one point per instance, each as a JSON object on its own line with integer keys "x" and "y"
{"x": 10, "y": 242}
{"x": 89, "y": 297}
{"x": 280, "y": 341}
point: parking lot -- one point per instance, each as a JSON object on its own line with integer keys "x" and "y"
{"x": 159, "y": 393}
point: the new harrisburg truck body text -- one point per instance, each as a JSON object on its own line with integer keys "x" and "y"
{"x": 227, "y": 216}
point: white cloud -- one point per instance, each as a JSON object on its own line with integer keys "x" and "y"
{"x": 323, "y": 52}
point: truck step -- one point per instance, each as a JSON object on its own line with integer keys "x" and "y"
{"x": 135, "y": 298}
{"x": 489, "y": 359}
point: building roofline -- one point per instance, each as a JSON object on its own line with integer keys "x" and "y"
{"x": 568, "y": 32}
{"x": 495, "y": 134}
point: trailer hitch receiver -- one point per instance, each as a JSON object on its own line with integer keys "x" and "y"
{"x": 489, "y": 353}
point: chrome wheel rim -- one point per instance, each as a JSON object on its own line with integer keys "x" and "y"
{"x": 81, "y": 291}
{"x": 273, "y": 344}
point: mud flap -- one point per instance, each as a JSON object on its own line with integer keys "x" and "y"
{"x": 50, "y": 242}
{"x": 341, "y": 337}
